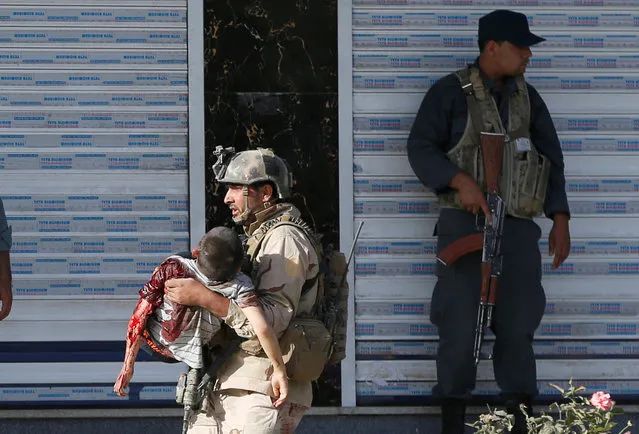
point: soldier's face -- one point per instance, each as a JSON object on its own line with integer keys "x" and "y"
{"x": 234, "y": 199}
{"x": 512, "y": 59}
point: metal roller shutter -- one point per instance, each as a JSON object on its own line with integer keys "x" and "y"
{"x": 94, "y": 147}
{"x": 587, "y": 74}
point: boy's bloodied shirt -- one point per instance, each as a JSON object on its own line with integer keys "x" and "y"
{"x": 181, "y": 330}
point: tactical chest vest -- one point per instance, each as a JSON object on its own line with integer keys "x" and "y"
{"x": 524, "y": 177}
{"x": 317, "y": 338}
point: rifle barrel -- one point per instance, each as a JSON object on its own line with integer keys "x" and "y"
{"x": 350, "y": 254}
{"x": 479, "y": 332}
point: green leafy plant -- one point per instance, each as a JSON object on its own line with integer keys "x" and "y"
{"x": 576, "y": 414}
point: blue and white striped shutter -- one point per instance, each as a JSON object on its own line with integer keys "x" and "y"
{"x": 94, "y": 168}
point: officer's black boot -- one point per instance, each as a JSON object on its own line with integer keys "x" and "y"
{"x": 453, "y": 412}
{"x": 513, "y": 407}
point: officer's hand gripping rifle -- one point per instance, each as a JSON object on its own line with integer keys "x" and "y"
{"x": 492, "y": 149}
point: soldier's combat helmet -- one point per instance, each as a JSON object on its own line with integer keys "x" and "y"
{"x": 250, "y": 167}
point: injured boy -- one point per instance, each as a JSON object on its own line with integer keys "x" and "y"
{"x": 181, "y": 333}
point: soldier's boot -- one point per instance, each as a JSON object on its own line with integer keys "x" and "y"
{"x": 453, "y": 413}
{"x": 513, "y": 403}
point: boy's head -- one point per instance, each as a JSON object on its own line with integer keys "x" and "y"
{"x": 220, "y": 254}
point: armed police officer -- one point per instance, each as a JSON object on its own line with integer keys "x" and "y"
{"x": 491, "y": 95}
{"x": 285, "y": 270}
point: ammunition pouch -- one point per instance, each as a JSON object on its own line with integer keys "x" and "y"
{"x": 306, "y": 346}
{"x": 524, "y": 181}
{"x": 186, "y": 391}
{"x": 525, "y": 173}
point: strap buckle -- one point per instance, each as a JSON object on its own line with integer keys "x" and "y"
{"x": 467, "y": 88}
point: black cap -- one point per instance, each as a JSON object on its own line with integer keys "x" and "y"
{"x": 505, "y": 25}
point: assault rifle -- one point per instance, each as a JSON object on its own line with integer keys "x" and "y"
{"x": 489, "y": 240}
{"x": 194, "y": 385}
{"x": 331, "y": 315}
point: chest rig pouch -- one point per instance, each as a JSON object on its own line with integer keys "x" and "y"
{"x": 307, "y": 345}
{"x": 525, "y": 171}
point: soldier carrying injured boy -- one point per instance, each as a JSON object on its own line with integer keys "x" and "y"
{"x": 174, "y": 332}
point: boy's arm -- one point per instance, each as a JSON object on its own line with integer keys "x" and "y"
{"x": 136, "y": 328}
{"x": 133, "y": 343}
{"x": 265, "y": 334}
{"x": 271, "y": 347}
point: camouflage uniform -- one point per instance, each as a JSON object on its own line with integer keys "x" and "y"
{"x": 240, "y": 402}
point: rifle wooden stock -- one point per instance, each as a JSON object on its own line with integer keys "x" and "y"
{"x": 492, "y": 151}
{"x": 486, "y": 271}
{"x": 458, "y": 248}
{"x": 492, "y": 295}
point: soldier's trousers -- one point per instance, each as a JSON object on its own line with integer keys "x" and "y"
{"x": 242, "y": 412}
{"x": 519, "y": 308}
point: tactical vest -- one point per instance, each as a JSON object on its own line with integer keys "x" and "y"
{"x": 316, "y": 339}
{"x": 525, "y": 172}
{"x": 255, "y": 240}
